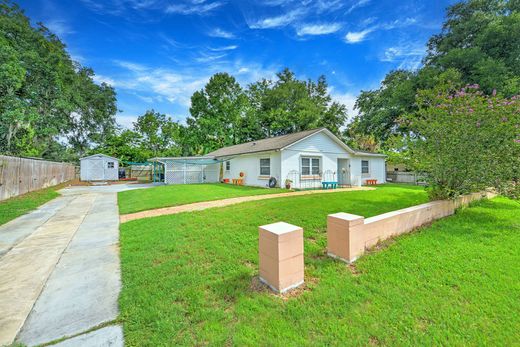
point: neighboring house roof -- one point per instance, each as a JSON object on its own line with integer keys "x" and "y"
{"x": 279, "y": 143}
{"x": 99, "y": 155}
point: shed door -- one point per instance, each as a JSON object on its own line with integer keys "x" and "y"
{"x": 96, "y": 169}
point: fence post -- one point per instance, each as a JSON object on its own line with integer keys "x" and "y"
{"x": 340, "y": 241}
{"x": 280, "y": 248}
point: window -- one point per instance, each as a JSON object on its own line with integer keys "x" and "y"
{"x": 110, "y": 164}
{"x": 228, "y": 165}
{"x": 265, "y": 167}
{"x": 364, "y": 167}
{"x": 310, "y": 166}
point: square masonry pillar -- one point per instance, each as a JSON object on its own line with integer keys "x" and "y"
{"x": 340, "y": 243}
{"x": 280, "y": 247}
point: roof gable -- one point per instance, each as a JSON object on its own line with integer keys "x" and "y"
{"x": 269, "y": 144}
{"x": 282, "y": 142}
{"x": 98, "y": 155}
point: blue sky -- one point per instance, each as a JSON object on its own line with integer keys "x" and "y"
{"x": 156, "y": 53}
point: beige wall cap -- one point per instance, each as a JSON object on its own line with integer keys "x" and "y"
{"x": 280, "y": 228}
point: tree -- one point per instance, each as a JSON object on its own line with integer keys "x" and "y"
{"x": 158, "y": 134}
{"x": 124, "y": 145}
{"x": 224, "y": 114}
{"x": 467, "y": 141}
{"x": 478, "y": 45}
{"x": 380, "y": 109}
{"x": 45, "y": 96}
{"x": 217, "y": 114}
{"x": 480, "y": 39}
{"x": 289, "y": 105}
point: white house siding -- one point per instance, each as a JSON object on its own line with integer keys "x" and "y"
{"x": 249, "y": 164}
{"x": 319, "y": 145}
{"x": 376, "y": 167}
{"x": 329, "y": 151}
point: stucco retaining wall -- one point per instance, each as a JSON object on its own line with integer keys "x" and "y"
{"x": 348, "y": 235}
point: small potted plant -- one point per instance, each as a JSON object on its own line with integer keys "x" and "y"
{"x": 288, "y": 184}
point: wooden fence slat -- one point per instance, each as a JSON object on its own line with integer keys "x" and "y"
{"x": 22, "y": 175}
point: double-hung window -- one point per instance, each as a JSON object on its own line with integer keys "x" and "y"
{"x": 228, "y": 165}
{"x": 365, "y": 167}
{"x": 265, "y": 167}
{"x": 310, "y": 166}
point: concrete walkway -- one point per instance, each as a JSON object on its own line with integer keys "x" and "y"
{"x": 198, "y": 206}
{"x": 60, "y": 271}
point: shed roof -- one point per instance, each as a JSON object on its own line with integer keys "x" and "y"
{"x": 98, "y": 155}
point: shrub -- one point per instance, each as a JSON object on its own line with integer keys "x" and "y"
{"x": 467, "y": 141}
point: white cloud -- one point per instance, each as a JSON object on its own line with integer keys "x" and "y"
{"x": 408, "y": 56}
{"x": 358, "y": 4}
{"x": 217, "y": 32}
{"x": 131, "y": 66}
{"x": 126, "y": 121}
{"x": 278, "y": 21}
{"x": 224, "y": 48}
{"x": 176, "y": 86}
{"x": 358, "y": 36}
{"x": 197, "y": 7}
{"x": 104, "y": 79}
{"x": 59, "y": 27}
{"x": 347, "y": 99}
{"x": 207, "y": 57}
{"x": 318, "y": 29}
{"x": 328, "y": 5}
{"x": 399, "y": 23}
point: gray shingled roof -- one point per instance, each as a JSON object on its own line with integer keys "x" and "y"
{"x": 270, "y": 144}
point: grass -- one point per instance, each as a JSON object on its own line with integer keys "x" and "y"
{"x": 173, "y": 195}
{"x": 187, "y": 278}
{"x": 20, "y": 205}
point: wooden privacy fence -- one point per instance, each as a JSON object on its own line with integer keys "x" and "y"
{"x": 22, "y": 175}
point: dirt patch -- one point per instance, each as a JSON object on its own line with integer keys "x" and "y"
{"x": 258, "y": 286}
{"x": 353, "y": 269}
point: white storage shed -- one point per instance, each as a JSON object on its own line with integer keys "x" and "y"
{"x": 99, "y": 167}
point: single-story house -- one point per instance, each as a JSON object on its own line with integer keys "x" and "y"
{"x": 99, "y": 167}
{"x": 306, "y": 158}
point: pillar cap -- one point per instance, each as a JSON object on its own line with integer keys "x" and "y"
{"x": 346, "y": 216}
{"x": 280, "y": 228}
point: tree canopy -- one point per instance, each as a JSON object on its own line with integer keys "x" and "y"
{"x": 478, "y": 44}
{"x": 49, "y": 104}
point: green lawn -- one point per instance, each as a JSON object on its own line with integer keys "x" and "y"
{"x": 20, "y": 205}
{"x": 187, "y": 278}
{"x": 172, "y": 195}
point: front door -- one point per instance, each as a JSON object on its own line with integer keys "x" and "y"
{"x": 343, "y": 172}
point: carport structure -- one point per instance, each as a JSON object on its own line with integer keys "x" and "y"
{"x": 189, "y": 170}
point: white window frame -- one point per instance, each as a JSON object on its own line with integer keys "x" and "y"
{"x": 228, "y": 165}
{"x": 113, "y": 165}
{"x": 311, "y": 158}
{"x": 365, "y": 174}
{"x": 260, "y": 167}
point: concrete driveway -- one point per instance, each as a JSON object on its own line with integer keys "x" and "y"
{"x": 60, "y": 271}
